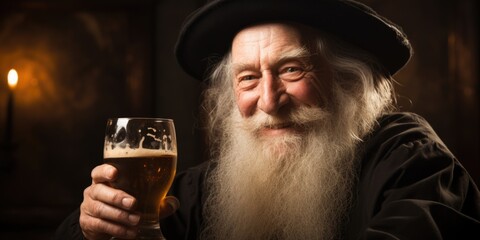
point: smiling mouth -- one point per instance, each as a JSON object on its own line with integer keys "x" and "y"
{"x": 279, "y": 126}
{"x": 279, "y": 129}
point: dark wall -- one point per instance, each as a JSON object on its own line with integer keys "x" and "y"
{"x": 441, "y": 82}
{"x": 178, "y": 94}
{"x": 81, "y": 62}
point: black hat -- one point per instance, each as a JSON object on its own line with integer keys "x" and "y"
{"x": 208, "y": 32}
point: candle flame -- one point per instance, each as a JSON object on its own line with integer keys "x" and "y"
{"x": 12, "y": 78}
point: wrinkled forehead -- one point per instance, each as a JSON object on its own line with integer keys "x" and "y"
{"x": 291, "y": 31}
{"x": 276, "y": 38}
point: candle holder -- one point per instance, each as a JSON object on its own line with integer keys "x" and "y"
{"x": 7, "y": 149}
{"x": 7, "y": 156}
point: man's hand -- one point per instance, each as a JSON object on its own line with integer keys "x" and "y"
{"x": 106, "y": 211}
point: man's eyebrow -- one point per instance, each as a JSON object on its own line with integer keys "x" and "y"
{"x": 240, "y": 67}
{"x": 296, "y": 53}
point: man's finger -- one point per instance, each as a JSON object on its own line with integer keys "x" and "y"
{"x": 113, "y": 214}
{"x": 104, "y": 173}
{"x": 118, "y": 198}
{"x": 94, "y": 228}
{"x": 168, "y": 206}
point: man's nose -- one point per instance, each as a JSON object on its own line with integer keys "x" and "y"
{"x": 272, "y": 94}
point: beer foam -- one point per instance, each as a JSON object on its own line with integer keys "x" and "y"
{"x": 119, "y": 152}
{"x": 164, "y": 143}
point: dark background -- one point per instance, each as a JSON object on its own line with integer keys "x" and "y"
{"x": 80, "y": 62}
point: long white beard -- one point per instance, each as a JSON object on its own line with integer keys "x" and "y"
{"x": 294, "y": 187}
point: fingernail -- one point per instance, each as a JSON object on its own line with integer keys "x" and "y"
{"x": 127, "y": 202}
{"x": 134, "y": 219}
{"x": 111, "y": 173}
{"x": 174, "y": 204}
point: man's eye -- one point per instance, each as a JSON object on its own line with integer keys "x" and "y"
{"x": 291, "y": 73}
{"x": 292, "y": 69}
{"x": 247, "y": 77}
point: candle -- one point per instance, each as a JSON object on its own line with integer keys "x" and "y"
{"x": 12, "y": 83}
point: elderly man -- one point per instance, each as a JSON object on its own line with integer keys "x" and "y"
{"x": 305, "y": 143}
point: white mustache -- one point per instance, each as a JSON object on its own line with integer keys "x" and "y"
{"x": 301, "y": 117}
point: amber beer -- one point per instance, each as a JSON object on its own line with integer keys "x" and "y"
{"x": 145, "y": 174}
{"x": 144, "y": 151}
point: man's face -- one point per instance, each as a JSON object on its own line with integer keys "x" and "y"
{"x": 274, "y": 74}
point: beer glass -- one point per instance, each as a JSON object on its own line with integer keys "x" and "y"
{"x": 144, "y": 150}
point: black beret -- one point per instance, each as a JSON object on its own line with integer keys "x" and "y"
{"x": 207, "y": 33}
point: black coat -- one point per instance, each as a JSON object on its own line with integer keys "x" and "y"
{"x": 410, "y": 187}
